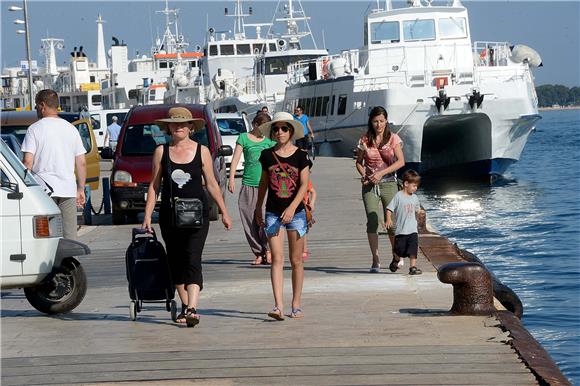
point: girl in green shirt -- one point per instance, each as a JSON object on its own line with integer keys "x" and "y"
{"x": 251, "y": 145}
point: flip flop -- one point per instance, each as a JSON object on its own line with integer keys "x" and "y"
{"x": 276, "y": 314}
{"x": 297, "y": 313}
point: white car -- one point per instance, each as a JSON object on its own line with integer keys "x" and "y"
{"x": 34, "y": 255}
{"x": 231, "y": 125}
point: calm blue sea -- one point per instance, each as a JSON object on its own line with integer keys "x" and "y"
{"x": 526, "y": 229}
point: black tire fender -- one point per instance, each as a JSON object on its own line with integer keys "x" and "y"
{"x": 67, "y": 249}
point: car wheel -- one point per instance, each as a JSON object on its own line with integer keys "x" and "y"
{"x": 61, "y": 291}
{"x": 118, "y": 217}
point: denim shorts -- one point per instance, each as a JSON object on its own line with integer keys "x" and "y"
{"x": 298, "y": 223}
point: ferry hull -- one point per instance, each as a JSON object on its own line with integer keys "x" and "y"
{"x": 472, "y": 142}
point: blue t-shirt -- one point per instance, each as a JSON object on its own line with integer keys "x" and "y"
{"x": 303, "y": 119}
{"x": 404, "y": 207}
{"x": 114, "y": 129}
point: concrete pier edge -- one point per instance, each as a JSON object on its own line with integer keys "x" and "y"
{"x": 439, "y": 251}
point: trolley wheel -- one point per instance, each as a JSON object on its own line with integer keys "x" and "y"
{"x": 168, "y": 305}
{"x": 133, "y": 310}
{"x": 173, "y": 311}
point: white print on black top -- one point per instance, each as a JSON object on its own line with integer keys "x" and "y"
{"x": 180, "y": 177}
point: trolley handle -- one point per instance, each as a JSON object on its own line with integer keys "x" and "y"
{"x": 141, "y": 231}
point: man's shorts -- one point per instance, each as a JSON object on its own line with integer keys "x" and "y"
{"x": 407, "y": 245}
{"x": 274, "y": 223}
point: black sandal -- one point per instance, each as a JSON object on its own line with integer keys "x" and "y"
{"x": 180, "y": 319}
{"x": 191, "y": 317}
{"x": 394, "y": 266}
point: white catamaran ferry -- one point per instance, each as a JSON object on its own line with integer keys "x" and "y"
{"x": 460, "y": 108}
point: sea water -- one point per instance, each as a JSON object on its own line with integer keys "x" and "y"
{"x": 526, "y": 229}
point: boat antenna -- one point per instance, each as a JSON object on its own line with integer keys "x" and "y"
{"x": 239, "y": 26}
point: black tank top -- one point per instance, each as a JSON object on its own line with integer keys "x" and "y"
{"x": 185, "y": 180}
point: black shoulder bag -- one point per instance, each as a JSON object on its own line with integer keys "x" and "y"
{"x": 187, "y": 212}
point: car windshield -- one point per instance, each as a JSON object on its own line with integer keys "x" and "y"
{"x": 231, "y": 126}
{"x": 141, "y": 140}
{"x": 17, "y": 165}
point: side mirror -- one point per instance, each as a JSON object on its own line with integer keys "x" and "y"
{"x": 107, "y": 153}
{"x": 225, "y": 150}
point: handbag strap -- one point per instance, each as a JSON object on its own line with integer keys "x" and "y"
{"x": 283, "y": 168}
{"x": 168, "y": 169}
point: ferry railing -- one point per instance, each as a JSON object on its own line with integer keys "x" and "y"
{"x": 491, "y": 54}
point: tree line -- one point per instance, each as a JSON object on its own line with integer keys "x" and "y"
{"x": 556, "y": 94}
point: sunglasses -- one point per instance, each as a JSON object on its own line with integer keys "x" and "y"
{"x": 276, "y": 129}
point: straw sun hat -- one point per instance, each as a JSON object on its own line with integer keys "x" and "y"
{"x": 179, "y": 115}
{"x": 287, "y": 118}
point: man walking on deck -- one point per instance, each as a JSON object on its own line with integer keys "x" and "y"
{"x": 52, "y": 148}
{"x": 112, "y": 134}
{"x": 304, "y": 143}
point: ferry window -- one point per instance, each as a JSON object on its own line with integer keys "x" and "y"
{"x": 162, "y": 64}
{"x": 332, "y": 106}
{"x": 276, "y": 66}
{"x": 341, "y": 105}
{"x": 385, "y": 32}
{"x": 325, "y": 106}
{"x": 152, "y": 94}
{"x": 213, "y": 51}
{"x": 259, "y": 48}
{"x": 306, "y": 106}
{"x": 92, "y": 79}
{"x": 243, "y": 49}
{"x": 318, "y": 111}
{"x": 96, "y": 100}
{"x": 227, "y": 49}
{"x": 419, "y": 30}
{"x": 452, "y": 27}
{"x": 272, "y": 46}
{"x": 192, "y": 64}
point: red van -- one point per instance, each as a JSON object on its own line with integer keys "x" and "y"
{"x": 134, "y": 154}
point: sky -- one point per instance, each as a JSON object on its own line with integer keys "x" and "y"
{"x": 550, "y": 27}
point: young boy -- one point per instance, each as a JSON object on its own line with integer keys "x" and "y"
{"x": 405, "y": 205}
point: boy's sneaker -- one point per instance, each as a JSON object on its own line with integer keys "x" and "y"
{"x": 376, "y": 269}
{"x": 415, "y": 271}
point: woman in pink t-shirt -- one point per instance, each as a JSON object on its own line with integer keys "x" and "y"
{"x": 379, "y": 156}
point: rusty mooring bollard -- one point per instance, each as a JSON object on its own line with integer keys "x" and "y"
{"x": 472, "y": 288}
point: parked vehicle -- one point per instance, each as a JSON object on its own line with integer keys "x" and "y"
{"x": 17, "y": 122}
{"x": 101, "y": 119}
{"x": 231, "y": 125}
{"x": 139, "y": 136}
{"x": 34, "y": 254}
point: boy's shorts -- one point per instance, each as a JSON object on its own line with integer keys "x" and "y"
{"x": 407, "y": 245}
{"x": 274, "y": 223}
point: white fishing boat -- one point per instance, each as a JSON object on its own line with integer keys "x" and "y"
{"x": 266, "y": 84}
{"x": 144, "y": 79}
{"x": 461, "y": 108}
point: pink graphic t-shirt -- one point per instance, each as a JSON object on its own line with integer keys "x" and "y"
{"x": 376, "y": 159}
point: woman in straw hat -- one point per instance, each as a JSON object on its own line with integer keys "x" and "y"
{"x": 178, "y": 168}
{"x": 285, "y": 175}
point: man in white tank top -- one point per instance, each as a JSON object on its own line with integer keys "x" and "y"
{"x": 52, "y": 148}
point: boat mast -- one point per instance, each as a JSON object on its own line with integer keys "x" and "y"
{"x": 291, "y": 17}
{"x": 171, "y": 43}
